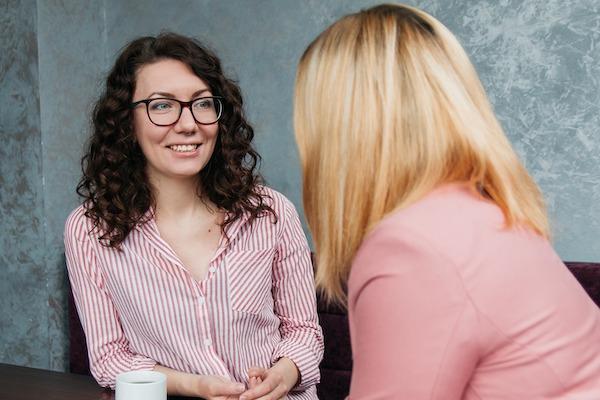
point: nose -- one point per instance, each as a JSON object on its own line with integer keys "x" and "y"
{"x": 186, "y": 123}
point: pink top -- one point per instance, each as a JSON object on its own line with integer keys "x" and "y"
{"x": 445, "y": 304}
{"x": 256, "y": 304}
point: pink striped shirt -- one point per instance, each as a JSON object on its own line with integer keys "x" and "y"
{"x": 140, "y": 306}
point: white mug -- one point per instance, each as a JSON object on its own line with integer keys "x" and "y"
{"x": 141, "y": 385}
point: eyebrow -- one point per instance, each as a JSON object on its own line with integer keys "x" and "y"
{"x": 171, "y": 95}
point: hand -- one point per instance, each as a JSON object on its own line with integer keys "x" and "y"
{"x": 254, "y": 381}
{"x": 211, "y": 387}
{"x": 273, "y": 383}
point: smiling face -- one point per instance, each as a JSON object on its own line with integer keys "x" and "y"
{"x": 180, "y": 150}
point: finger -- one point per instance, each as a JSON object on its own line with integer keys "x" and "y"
{"x": 226, "y": 388}
{"x": 253, "y": 382}
{"x": 256, "y": 371}
{"x": 278, "y": 393}
{"x": 265, "y": 387}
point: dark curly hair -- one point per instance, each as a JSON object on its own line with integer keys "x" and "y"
{"x": 116, "y": 191}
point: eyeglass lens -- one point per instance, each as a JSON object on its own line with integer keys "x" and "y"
{"x": 206, "y": 110}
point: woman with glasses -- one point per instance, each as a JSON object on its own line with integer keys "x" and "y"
{"x": 180, "y": 261}
{"x": 419, "y": 206}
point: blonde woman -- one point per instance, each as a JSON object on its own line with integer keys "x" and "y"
{"x": 418, "y": 203}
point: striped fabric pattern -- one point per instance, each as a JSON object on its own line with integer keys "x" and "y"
{"x": 139, "y": 306}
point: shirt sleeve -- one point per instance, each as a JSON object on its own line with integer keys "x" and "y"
{"x": 108, "y": 348}
{"x": 295, "y": 301}
{"x": 412, "y": 323}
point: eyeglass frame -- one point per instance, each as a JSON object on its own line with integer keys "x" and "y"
{"x": 182, "y": 104}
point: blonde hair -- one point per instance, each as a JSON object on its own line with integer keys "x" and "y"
{"x": 388, "y": 107}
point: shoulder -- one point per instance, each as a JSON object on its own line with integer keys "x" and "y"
{"x": 281, "y": 205}
{"x": 391, "y": 249}
{"x": 77, "y": 225}
{"x": 397, "y": 261}
{"x": 429, "y": 239}
{"x": 288, "y": 226}
{"x": 452, "y": 220}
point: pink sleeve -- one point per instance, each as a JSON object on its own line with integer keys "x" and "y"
{"x": 411, "y": 322}
{"x": 108, "y": 348}
{"x": 295, "y": 301}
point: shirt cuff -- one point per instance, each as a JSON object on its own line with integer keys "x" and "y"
{"x": 137, "y": 363}
{"x": 305, "y": 361}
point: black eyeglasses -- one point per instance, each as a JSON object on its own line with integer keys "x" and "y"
{"x": 163, "y": 111}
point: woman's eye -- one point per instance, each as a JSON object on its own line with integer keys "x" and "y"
{"x": 161, "y": 106}
{"x": 205, "y": 104}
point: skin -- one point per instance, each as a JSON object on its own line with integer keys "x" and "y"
{"x": 273, "y": 383}
{"x": 188, "y": 224}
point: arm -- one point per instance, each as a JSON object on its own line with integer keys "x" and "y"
{"x": 206, "y": 386}
{"x": 108, "y": 348}
{"x": 295, "y": 301}
{"x": 413, "y": 328}
{"x": 297, "y": 356}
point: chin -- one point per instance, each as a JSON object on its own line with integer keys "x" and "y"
{"x": 179, "y": 174}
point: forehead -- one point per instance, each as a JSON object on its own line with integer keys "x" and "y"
{"x": 169, "y": 76}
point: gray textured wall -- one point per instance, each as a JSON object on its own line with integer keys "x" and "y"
{"x": 23, "y": 303}
{"x": 71, "y": 62}
{"x": 538, "y": 59}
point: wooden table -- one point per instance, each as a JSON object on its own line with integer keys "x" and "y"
{"x": 21, "y": 383}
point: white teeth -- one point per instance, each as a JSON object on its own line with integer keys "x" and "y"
{"x": 184, "y": 148}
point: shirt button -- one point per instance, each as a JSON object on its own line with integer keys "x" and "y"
{"x": 201, "y": 300}
{"x": 207, "y": 342}
{"x": 212, "y": 269}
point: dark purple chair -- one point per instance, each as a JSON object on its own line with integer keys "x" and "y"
{"x": 336, "y": 366}
{"x": 78, "y": 357}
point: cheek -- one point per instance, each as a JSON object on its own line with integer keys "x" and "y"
{"x": 211, "y": 134}
{"x": 213, "y": 137}
{"x": 139, "y": 128}
{"x": 213, "y": 131}
{"x": 147, "y": 133}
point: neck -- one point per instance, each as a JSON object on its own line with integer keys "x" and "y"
{"x": 178, "y": 198}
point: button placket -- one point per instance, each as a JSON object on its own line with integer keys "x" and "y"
{"x": 203, "y": 309}
{"x": 202, "y": 313}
